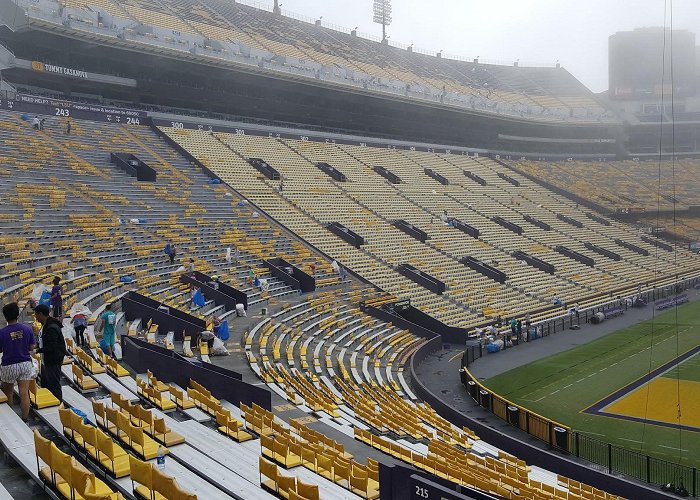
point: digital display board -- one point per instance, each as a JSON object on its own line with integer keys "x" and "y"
{"x": 636, "y": 59}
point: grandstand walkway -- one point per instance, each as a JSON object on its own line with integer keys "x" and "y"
{"x": 491, "y": 365}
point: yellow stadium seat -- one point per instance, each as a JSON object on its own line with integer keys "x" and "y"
{"x": 164, "y": 435}
{"x": 231, "y": 428}
{"x": 142, "y": 444}
{"x": 307, "y": 491}
{"x": 285, "y": 485}
{"x": 268, "y": 470}
{"x": 41, "y": 397}
{"x": 84, "y": 383}
{"x": 42, "y": 446}
{"x": 112, "y": 456}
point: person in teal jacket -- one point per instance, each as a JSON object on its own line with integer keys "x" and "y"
{"x": 108, "y": 328}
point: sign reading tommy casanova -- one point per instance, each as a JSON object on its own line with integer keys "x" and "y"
{"x": 59, "y": 70}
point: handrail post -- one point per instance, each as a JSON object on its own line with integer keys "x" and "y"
{"x": 648, "y": 469}
{"x": 695, "y": 481}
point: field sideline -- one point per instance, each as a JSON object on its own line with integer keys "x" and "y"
{"x": 563, "y": 385}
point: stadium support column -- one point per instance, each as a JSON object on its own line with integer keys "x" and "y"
{"x": 276, "y": 9}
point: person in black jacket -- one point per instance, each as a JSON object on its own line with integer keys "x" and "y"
{"x": 52, "y": 347}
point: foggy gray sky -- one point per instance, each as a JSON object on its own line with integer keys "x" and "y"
{"x": 538, "y": 31}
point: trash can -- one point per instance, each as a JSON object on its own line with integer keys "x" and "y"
{"x": 263, "y": 311}
{"x": 485, "y": 399}
{"x": 472, "y": 388}
{"x": 561, "y": 438}
{"x": 513, "y": 414}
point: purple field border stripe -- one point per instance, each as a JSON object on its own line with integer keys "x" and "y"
{"x": 641, "y": 420}
{"x": 596, "y": 409}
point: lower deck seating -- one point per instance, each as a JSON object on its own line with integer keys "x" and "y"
{"x": 357, "y": 362}
{"x": 66, "y": 475}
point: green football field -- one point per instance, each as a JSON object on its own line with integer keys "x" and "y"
{"x": 561, "y": 386}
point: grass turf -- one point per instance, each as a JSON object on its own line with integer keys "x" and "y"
{"x": 561, "y": 386}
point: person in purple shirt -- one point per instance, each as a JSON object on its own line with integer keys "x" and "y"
{"x": 16, "y": 343}
{"x": 57, "y": 299}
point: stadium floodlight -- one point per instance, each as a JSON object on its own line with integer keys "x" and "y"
{"x": 382, "y": 15}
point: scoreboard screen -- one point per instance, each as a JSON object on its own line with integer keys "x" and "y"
{"x": 636, "y": 59}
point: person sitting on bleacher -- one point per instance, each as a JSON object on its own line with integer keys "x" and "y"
{"x": 52, "y": 348}
{"x": 444, "y": 217}
{"x": 16, "y": 343}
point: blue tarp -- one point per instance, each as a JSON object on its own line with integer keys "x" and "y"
{"x": 492, "y": 348}
{"x": 222, "y": 331}
{"x": 198, "y": 298}
{"x": 126, "y": 279}
{"x": 215, "y": 181}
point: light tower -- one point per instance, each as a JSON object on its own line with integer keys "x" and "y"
{"x": 382, "y": 15}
